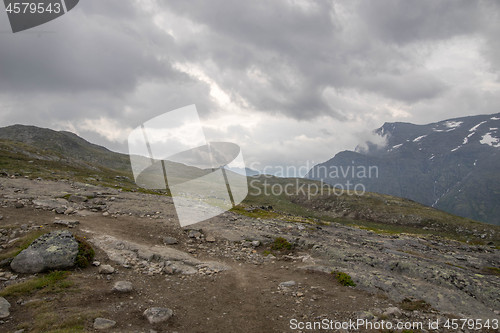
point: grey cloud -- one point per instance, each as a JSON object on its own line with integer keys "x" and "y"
{"x": 315, "y": 50}
{"x": 86, "y": 50}
{"x": 410, "y": 87}
{"x": 413, "y": 20}
{"x": 106, "y": 57}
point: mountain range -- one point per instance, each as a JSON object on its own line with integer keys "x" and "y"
{"x": 452, "y": 165}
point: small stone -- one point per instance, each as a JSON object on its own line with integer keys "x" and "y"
{"x": 194, "y": 234}
{"x": 210, "y": 239}
{"x": 103, "y": 323}
{"x": 158, "y": 315}
{"x": 392, "y": 312}
{"x": 123, "y": 286}
{"x": 255, "y": 243}
{"x": 287, "y": 284}
{"x": 96, "y": 263}
{"x": 170, "y": 240}
{"x": 4, "y": 308}
{"x": 60, "y": 210}
{"x": 366, "y": 315}
{"x": 69, "y": 211}
{"x": 1, "y": 217}
{"x": 67, "y": 223}
{"x": 24, "y": 227}
{"x": 19, "y": 205}
{"x": 105, "y": 214}
{"x": 168, "y": 270}
{"x": 77, "y": 198}
{"x": 19, "y": 331}
{"x": 106, "y": 269}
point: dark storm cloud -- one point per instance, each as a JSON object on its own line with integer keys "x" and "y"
{"x": 303, "y": 51}
{"x": 109, "y": 48}
{"x": 282, "y": 58}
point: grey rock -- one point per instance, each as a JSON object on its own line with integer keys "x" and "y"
{"x": 123, "y": 287}
{"x": 4, "y": 308}
{"x": 60, "y": 210}
{"x": 19, "y": 205}
{"x": 170, "y": 240}
{"x": 211, "y": 239}
{"x": 158, "y": 315}
{"x": 1, "y": 217}
{"x": 194, "y": 234}
{"x": 55, "y": 250}
{"x": 392, "y": 312}
{"x": 50, "y": 203}
{"x": 69, "y": 211}
{"x": 106, "y": 269}
{"x": 287, "y": 284}
{"x": 77, "y": 198}
{"x": 256, "y": 243}
{"x": 366, "y": 315}
{"x": 67, "y": 223}
{"x": 24, "y": 227}
{"x": 103, "y": 323}
{"x": 19, "y": 331}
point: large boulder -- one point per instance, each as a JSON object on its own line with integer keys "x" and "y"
{"x": 55, "y": 250}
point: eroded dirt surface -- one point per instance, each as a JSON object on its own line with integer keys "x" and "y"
{"x": 216, "y": 280}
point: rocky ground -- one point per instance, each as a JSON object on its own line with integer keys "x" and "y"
{"x": 221, "y": 275}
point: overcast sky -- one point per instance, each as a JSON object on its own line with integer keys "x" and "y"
{"x": 291, "y": 82}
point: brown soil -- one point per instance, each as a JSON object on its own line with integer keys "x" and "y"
{"x": 243, "y": 299}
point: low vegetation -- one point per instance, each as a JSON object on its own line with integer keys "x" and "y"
{"x": 21, "y": 244}
{"x": 281, "y": 244}
{"x": 411, "y": 305}
{"x": 85, "y": 253}
{"x": 344, "y": 279}
{"x": 52, "y": 282}
{"x": 491, "y": 271}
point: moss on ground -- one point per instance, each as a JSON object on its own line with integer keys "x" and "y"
{"x": 85, "y": 253}
{"x": 281, "y": 244}
{"x": 52, "y": 282}
{"x": 21, "y": 244}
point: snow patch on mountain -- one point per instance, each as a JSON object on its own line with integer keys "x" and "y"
{"x": 475, "y": 127}
{"x": 419, "y": 138}
{"x": 487, "y": 139}
{"x": 453, "y": 124}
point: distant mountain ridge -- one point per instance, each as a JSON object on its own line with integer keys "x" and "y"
{"x": 451, "y": 165}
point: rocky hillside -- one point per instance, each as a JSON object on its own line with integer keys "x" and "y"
{"x": 65, "y": 146}
{"x": 451, "y": 165}
{"x": 235, "y": 271}
{"x": 269, "y": 261}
